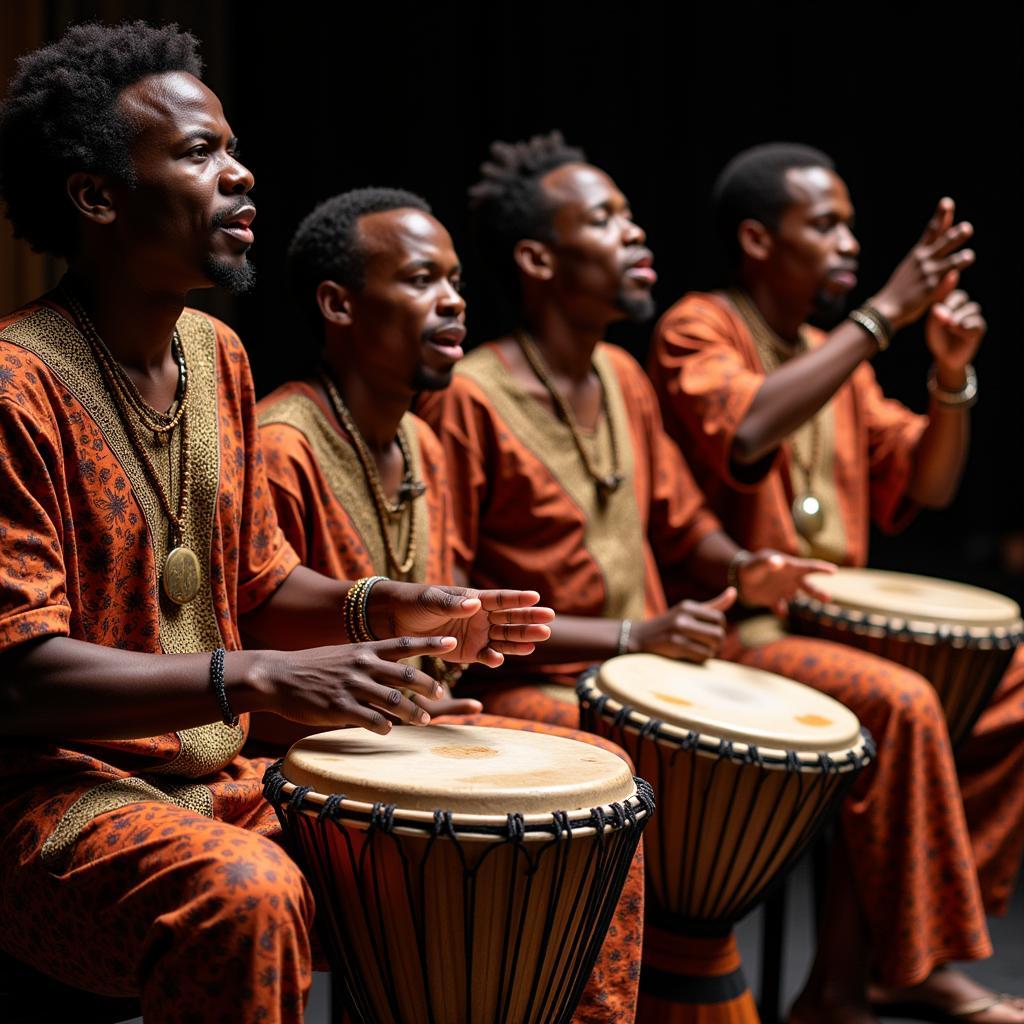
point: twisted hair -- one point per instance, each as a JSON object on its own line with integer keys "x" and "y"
{"x": 752, "y": 186}
{"x": 508, "y": 203}
{"x": 326, "y": 247}
{"x": 61, "y": 115}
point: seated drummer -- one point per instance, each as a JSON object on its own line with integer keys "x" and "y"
{"x": 138, "y": 536}
{"x": 359, "y": 482}
{"x": 558, "y": 465}
{"x": 771, "y": 413}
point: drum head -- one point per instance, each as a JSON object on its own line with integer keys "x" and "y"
{"x": 898, "y": 595}
{"x": 460, "y": 768}
{"x": 732, "y": 702}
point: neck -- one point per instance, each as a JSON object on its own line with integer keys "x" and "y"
{"x": 137, "y": 325}
{"x": 781, "y": 315}
{"x": 376, "y": 411}
{"x": 567, "y": 346}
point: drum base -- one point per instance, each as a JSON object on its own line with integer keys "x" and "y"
{"x": 693, "y": 980}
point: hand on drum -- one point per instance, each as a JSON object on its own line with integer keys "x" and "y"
{"x": 486, "y": 624}
{"x": 354, "y": 684}
{"x": 770, "y": 579}
{"x": 930, "y": 271}
{"x": 689, "y": 631}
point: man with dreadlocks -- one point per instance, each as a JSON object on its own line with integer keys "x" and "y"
{"x": 136, "y": 852}
{"x": 796, "y": 447}
{"x": 359, "y": 482}
{"x": 560, "y": 470}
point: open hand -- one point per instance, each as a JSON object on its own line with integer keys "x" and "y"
{"x": 770, "y": 578}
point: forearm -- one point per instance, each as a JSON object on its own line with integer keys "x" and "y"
{"x": 708, "y": 563}
{"x": 578, "y": 638}
{"x": 794, "y": 392}
{"x": 61, "y": 687}
{"x": 305, "y": 611}
{"x": 942, "y": 451}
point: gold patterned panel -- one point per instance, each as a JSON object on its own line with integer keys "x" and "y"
{"x": 340, "y": 466}
{"x": 830, "y": 542}
{"x": 183, "y": 629}
{"x": 613, "y": 530}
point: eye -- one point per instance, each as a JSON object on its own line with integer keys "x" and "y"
{"x": 824, "y": 224}
{"x": 200, "y": 152}
{"x": 420, "y": 280}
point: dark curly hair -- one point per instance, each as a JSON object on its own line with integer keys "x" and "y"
{"x": 61, "y": 115}
{"x": 752, "y": 186}
{"x": 508, "y": 203}
{"x": 325, "y": 247}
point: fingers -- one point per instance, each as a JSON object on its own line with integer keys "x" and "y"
{"x": 724, "y": 601}
{"x": 691, "y": 650}
{"x": 495, "y": 600}
{"x": 940, "y": 221}
{"x": 389, "y": 674}
{"x": 528, "y": 633}
{"x": 701, "y": 632}
{"x": 391, "y": 702}
{"x": 951, "y": 239}
{"x": 522, "y": 615}
{"x": 455, "y": 602}
{"x": 400, "y": 647}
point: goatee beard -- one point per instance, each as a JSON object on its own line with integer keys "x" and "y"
{"x": 639, "y": 307}
{"x": 829, "y": 308}
{"x": 237, "y": 278}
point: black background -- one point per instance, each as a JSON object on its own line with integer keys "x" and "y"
{"x": 912, "y": 104}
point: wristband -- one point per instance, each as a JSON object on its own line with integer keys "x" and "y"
{"x": 217, "y": 685}
{"x": 624, "y": 631}
{"x": 962, "y": 399}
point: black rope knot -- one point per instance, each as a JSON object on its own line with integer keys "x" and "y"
{"x": 273, "y": 782}
{"x": 792, "y": 761}
{"x": 332, "y": 807}
{"x": 299, "y": 795}
{"x": 828, "y": 764}
{"x": 725, "y": 749}
{"x": 690, "y": 740}
{"x": 651, "y": 728}
{"x": 622, "y": 715}
{"x": 560, "y": 824}
{"x": 443, "y": 824}
{"x": 382, "y": 816}
{"x": 598, "y": 818}
{"x": 516, "y": 827}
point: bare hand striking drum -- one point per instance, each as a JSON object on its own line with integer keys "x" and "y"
{"x": 462, "y": 874}
{"x": 960, "y": 638}
{"x": 746, "y": 766}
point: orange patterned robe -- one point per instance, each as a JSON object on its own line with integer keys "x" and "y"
{"x": 325, "y": 509}
{"x": 706, "y": 369}
{"x": 139, "y": 865}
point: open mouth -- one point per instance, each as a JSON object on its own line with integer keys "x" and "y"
{"x": 448, "y": 342}
{"x": 642, "y": 271}
{"x": 238, "y": 225}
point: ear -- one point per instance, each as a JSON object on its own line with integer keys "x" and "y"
{"x": 334, "y": 302}
{"x": 93, "y": 197}
{"x": 534, "y": 259}
{"x": 755, "y": 240}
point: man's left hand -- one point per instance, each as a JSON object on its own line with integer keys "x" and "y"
{"x": 954, "y": 331}
{"x": 488, "y": 624}
{"x": 770, "y": 579}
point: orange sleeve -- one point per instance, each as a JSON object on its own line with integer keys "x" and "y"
{"x": 679, "y": 515}
{"x": 435, "y": 476}
{"x": 265, "y": 558}
{"x": 705, "y": 384}
{"x": 283, "y": 476}
{"x": 458, "y": 417}
{"x": 33, "y": 597}
{"x": 893, "y": 434}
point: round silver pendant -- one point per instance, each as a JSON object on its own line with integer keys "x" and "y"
{"x": 808, "y": 515}
{"x": 182, "y": 575}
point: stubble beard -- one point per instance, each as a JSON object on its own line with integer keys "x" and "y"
{"x": 236, "y": 278}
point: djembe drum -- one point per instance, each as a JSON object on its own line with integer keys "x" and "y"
{"x": 960, "y": 638}
{"x": 462, "y": 874}
{"x": 746, "y": 766}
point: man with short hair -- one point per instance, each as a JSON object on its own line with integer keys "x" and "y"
{"x": 360, "y": 482}
{"x": 796, "y": 446}
{"x": 137, "y": 853}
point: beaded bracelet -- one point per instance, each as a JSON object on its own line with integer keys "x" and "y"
{"x": 354, "y": 610}
{"x": 219, "y": 690}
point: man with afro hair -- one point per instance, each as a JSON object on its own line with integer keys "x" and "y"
{"x": 139, "y": 546}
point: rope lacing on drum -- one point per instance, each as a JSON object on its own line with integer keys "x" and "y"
{"x": 690, "y": 740}
{"x": 516, "y": 828}
{"x": 332, "y": 807}
{"x": 792, "y": 761}
{"x": 560, "y": 824}
{"x": 645, "y": 794}
{"x": 598, "y": 818}
{"x": 753, "y": 756}
{"x": 622, "y": 716}
{"x": 651, "y": 728}
{"x": 443, "y": 824}
{"x": 273, "y": 781}
{"x": 298, "y": 797}
{"x": 725, "y": 749}
{"x": 618, "y": 814}
{"x": 828, "y": 763}
{"x": 382, "y": 816}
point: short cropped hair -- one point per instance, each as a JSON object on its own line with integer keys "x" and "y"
{"x": 508, "y": 203}
{"x": 61, "y": 115}
{"x": 326, "y": 247}
{"x": 752, "y": 186}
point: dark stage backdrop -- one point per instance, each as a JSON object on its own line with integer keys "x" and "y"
{"x": 912, "y": 106}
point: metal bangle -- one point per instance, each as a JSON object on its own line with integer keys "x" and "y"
{"x": 870, "y": 321}
{"x": 962, "y": 399}
{"x": 624, "y": 632}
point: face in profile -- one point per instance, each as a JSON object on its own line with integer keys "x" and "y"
{"x": 408, "y": 318}
{"x": 187, "y": 219}
{"x": 600, "y": 262}
{"x": 814, "y": 250}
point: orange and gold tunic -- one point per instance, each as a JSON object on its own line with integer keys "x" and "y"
{"x": 83, "y": 539}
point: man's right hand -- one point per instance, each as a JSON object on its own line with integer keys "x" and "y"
{"x": 353, "y": 684}
{"x": 929, "y": 272}
{"x": 689, "y": 631}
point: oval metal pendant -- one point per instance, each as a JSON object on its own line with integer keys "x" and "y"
{"x": 808, "y": 515}
{"x": 182, "y": 575}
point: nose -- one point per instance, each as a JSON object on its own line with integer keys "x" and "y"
{"x": 848, "y": 244}
{"x": 450, "y": 302}
{"x": 236, "y": 179}
{"x": 633, "y": 234}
